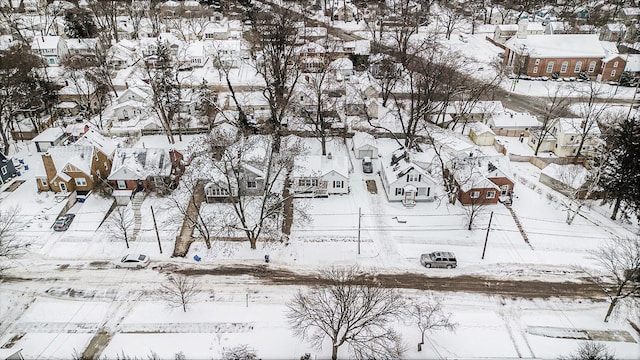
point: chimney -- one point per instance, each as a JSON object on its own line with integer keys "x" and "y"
{"x": 329, "y": 156}
{"x": 522, "y": 29}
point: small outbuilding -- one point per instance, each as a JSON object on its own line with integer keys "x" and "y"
{"x": 364, "y": 145}
{"x": 481, "y": 134}
{"x": 52, "y": 136}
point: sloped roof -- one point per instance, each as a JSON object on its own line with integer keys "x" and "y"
{"x": 570, "y": 175}
{"x": 50, "y": 134}
{"x": 78, "y": 156}
{"x": 140, "y": 163}
{"x": 574, "y": 126}
{"x": 402, "y": 168}
{"x": 480, "y": 128}
{"x": 515, "y": 120}
{"x": 94, "y": 138}
{"x": 45, "y": 42}
{"x": 361, "y": 139}
{"x": 320, "y": 165}
{"x": 558, "y": 46}
{"x": 476, "y": 171}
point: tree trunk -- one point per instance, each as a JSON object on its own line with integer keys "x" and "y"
{"x": 334, "y": 352}
{"x": 612, "y": 305}
{"x": 616, "y": 208}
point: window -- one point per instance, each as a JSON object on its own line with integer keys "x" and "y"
{"x": 81, "y": 181}
{"x": 491, "y": 194}
{"x": 97, "y": 159}
{"x": 308, "y": 182}
{"x": 52, "y": 61}
{"x": 413, "y": 177}
{"x": 105, "y": 165}
{"x": 565, "y": 65}
{"x": 592, "y": 66}
{"x": 424, "y": 191}
{"x": 475, "y": 194}
{"x": 338, "y": 184}
{"x": 122, "y": 184}
{"x": 252, "y": 184}
{"x": 537, "y": 61}
{"x": 613, "y": 73}
{"x": 217, "y": 192}
{"x": 578, "y": 67}
{"x": 399, "y": 191}
{"x": 98, "y": 173}
{"x": 550, "y": 66}
{"x": 4, "y": 170}
{"x": 572, "y": 137}
{"x": 44, "y": 182}
{"x": 615, "y": 64}
{"x": 535, "y": 69}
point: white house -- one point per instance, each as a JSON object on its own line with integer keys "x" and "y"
{"x": 84, "y": 47}
{"x": 565, "y": 136}
{"x": 51, "y": 48}
{"x": 513, "y": 124}
{"x": 364, "y": 145}
{"x": 320, "y": 175}
{"x": 132, "y": 103}
{"x": 407, "y": 182}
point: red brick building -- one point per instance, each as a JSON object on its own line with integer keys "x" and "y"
{"x": 562, "y": 55}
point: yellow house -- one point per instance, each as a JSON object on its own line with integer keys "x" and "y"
{"x": 481, "y": 134}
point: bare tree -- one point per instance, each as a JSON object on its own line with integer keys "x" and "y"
{"x": 187, "y": 201}
{"x": 590, "y": 350}
{"x": 349, "y": 309}
{"x": 428, "y": 315}
{"x": 180, "y": 290}
{"x": 254, "y": 201}
{"x": 451, "y": 18}
{"x": 273, "y": 37}
{"x": 162, "y": 75}
{"x": 240, "y": 352}
{"x": 10, "y": 246}
{"x": 120, "y": 224}
{"x": 106, "y": 13}
{"x": 619, "y": 260}
{"x": 596, "y": 100}
{"x": 557, "y": 105}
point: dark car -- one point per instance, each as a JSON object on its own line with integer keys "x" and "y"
{"x": 367, "y": 165}
{"x": 63, "y": 222}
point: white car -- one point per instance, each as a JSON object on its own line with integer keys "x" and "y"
{"x": 133, "y": 261}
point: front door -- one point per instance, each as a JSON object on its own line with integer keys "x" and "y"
{"x": 504, "y": 190}
{"x": 409, "y": 195}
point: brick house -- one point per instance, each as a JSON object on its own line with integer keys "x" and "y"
{"x": 562, "y": 55}
{"x": 71, "y": 168}
{"x": 146, "y": 169}
{"x": 481, "y": 179}
{"x": 612, "y": 67}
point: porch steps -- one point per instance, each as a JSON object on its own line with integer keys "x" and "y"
{"x": 136, "y": 205}
{"x": 518, "y": 224}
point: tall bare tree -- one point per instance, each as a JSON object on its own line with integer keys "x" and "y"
{"x": 556, "y": 105}
{"x": 162, "y": 75}
{"x": 429, "y": 315}
{"x": 619, "y": 262}
{"x": 595, "y": 102}
{"x": 10, "y": 246}
{"x": 273, "y": 44}
{"x": 349, "y": 309}
{"x": 120, "y": 224}
{"x": 180, "y": 290}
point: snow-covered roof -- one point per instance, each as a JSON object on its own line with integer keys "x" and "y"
{"x": 78, "y": 87}
{"x": 610, "y": 48}
{"x": 631, "y": 11}
{"x": 81, "y": 44}
{"x": 342, "y": 64}
{"x": 94, "y": 138}
{"x": 480, "y": 128}
{"x": 75, "y": 128}
{"x": 402, "y": 168}
{"x": 633, "y": 62}
{"x": 140, "y": 163}
{"x": 361, "y": 139}
{"x": 45, "y": 42}
{"x": 531, "y": 26}
{"x": 476, "y": 171}
{"x": 78, "y": 156}
{"x": 574, "y": 126}
{"x": 558, "y": 46}
{"x": 514, "y": 120}
{"x": 50, "y": 134}
{"x": 571, "y": 175}
{"x": 320, "y": 165}
{"x": 616, "y": 27}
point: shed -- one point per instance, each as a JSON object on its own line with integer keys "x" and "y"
{"x": 481, "y": 134}
{"x": 52, "y": 136}
{"x": 364, "y": 145}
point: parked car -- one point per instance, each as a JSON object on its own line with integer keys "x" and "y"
{"x": 63, "y": 222}
{"x": 367, "y": 165}
{"x": 133, "y": 261}
{"x": 439, "y": 259}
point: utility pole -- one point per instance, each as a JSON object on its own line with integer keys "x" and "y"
{"x": 359, "y": 225}
{"x": 155, "y": 225}
{"x": 487, "y": 236}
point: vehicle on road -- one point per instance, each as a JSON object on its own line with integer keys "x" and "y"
{"x": 63, "y": 222}
{"x": 133, "y": 261}
{"x": 439, "y": 259}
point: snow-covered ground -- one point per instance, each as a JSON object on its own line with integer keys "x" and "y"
{"x": 75, "y": 291}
